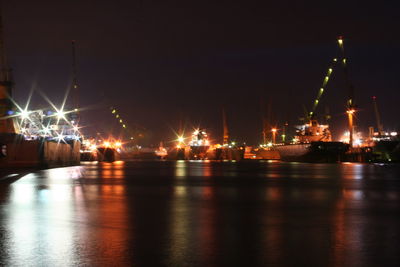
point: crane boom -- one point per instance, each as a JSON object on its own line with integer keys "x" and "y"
{"x": 322, "y": 89}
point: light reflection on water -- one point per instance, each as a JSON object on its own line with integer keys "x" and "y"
{"x": 181, "y": 213}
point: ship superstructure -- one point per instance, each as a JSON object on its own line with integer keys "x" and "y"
{"x": 199, "y": 144}
{"x": 312, "y": 132}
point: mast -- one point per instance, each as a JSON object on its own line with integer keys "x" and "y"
{"x": 225, "y": 125}
{"x": 351, "y": 107}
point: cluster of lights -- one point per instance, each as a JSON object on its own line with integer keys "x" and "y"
{"x": 268, "y": 145}
{"x": 31, "y": 124}
{"x": 34, "y": 124}
{"x": 199, "y": 138}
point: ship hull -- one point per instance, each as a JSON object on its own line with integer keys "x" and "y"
{"x": 313, "y": 152}
{"x": 198, "y": 152}
{"x": 386, "y": 151}
{"x": 21, "y": 153}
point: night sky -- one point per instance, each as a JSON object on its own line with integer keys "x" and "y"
{"x": 162, "y": 62}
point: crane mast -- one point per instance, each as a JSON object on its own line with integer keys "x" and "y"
{"x": 377, "y": 116}
{"x": 351, "y": 107}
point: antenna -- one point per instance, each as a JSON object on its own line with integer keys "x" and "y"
{"x": 75, "y": 88}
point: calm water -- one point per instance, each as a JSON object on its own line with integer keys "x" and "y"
{"x": 202, "y": 214}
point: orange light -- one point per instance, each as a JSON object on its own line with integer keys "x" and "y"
{"x": 118, "y": 144}
{"x": 274, "y": 130}
{"x": 350, "y": 111}
{"x": 106, "y": 144}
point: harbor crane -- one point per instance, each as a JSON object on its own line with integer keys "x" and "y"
{"x": 351, "y": 107}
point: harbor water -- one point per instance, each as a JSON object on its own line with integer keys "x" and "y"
{"x": 202, "y": 213}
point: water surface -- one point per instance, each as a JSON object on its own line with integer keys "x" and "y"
{"x": 200, "y": 213}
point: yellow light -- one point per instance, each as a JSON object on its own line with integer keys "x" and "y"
{"x": 340, "y": 41}
{"x": 335, "y": 59}
{"x": 181, "y": 139}
{"x": 120, "y": 121}
{"x": 114, "y": 111}
{"x": 106, "y": 144}
{"x": 118, "y": 144}
{"x": 273, "y": 130}
{"x": 351, "y": 111}
{"x": 117, "y": 116}
{"x": 124, "y": 126}
{"x": 322, "y": 89}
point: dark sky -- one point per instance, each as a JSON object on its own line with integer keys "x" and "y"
{"x": 160, "y": 62}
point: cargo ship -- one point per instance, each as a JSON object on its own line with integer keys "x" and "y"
{"x": 313, "y": 143}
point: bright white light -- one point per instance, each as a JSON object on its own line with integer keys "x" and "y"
{"x": 60, "y": 137}
{"x": 24, "y": 114}
{"x": 393, "y": 133}
{"x": 60, "y": 114}
{"x": 357, "y": 142}
{"x": 46, "y": 130}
